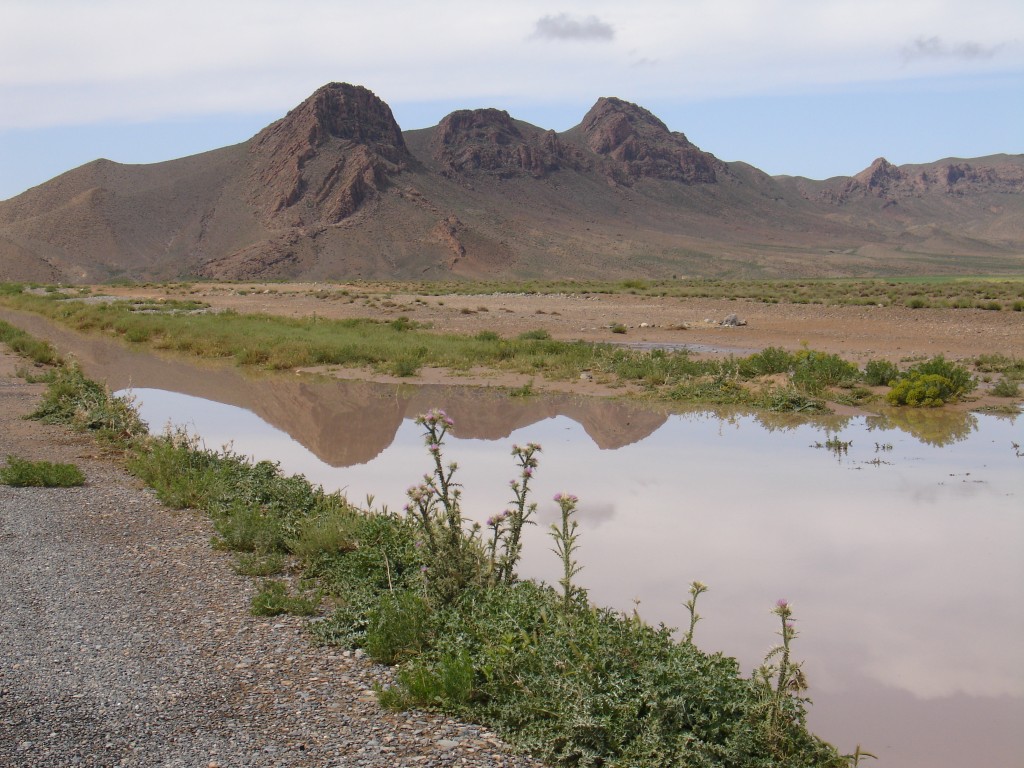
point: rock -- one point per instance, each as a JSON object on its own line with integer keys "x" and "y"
{"x": 636, "y": 144}
{"x": 489, "y": 141}
{"x": 733, "y": 321}
{"x": 331, "y": 153}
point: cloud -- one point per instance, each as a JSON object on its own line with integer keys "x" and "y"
{"x": 565, "y": 27}
{"x": 936, "y": 48}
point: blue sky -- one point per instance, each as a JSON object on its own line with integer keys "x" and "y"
{"x": 816, "y": 88}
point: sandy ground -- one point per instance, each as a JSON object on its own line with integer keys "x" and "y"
{"x": 857, "y": 333}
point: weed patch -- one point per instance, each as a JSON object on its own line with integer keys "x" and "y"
{"x": 22, "y": 473}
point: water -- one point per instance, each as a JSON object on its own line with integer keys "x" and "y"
{"x": 903, "y": 556}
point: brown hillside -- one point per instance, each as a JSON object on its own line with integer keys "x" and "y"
{"x": 336, "y": 190}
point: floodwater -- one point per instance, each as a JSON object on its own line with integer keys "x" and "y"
{"x": 903, "y": 555}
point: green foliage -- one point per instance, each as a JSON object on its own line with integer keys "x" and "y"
{"x": 274, "y": 599}
{"x": 922, "y": 389}
{"x": 768, "y": 361}
{"x": 1006, "y": 387}
{"x": 22, "y": 473}
{"x": 593, "y": 687}
{"x": 879, "y": 373}
{"x": 21, "y": 343}
{"x": 325, "y": 531}
{"x": 814, "y": 371}
{"x": 931, "y": 383}
{"x": 73, "y": 399}
{"x": 405, "y": 366}
{"x": 618, "y": 328}
{"x": 258, "y": 564}
{"x": 538, "y": 334}
{"x": 397, "y": 627}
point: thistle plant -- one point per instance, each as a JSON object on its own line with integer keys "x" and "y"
{"x": 777, "y": 682}
{"x": 514, "y": 518}
{"x": 453, "y": 554}
{"x": 697, "y": 588}
{"x": 565, "y": 546}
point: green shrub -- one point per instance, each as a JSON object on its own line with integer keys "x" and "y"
{"x": 960, "y": 379}
{"x": 405, "y": 366}
{"x": 813, "y": 371}
{"x": 917, "y": 303}
{"x": 1006, "y": 388}
{"x": 328, "y": 532}
{"x": 258, "y": 564}
{"x": 446, "y": 683}
{"x": 922, "y": 389}
{"x": 768, "y": 361}
{"x": 879, "y": 373}
{"x": 538, "y": 334}
{"x": 21, "y": 343}
{"x": 273, "y": 600}
{"x": 398, "y": 627}
{"x": 73, "y": 399}
{"x": 618, "y": 328}
{"x": 22, "y": 473}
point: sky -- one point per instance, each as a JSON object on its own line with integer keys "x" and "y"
{"x": 814, "y": 88}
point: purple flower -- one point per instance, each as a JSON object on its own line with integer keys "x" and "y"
{"x": 528, "y": 472}
{"x": 433, "y": 447}
{"x": 781, "y": 603}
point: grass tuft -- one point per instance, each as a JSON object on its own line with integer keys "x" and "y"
{"x": 22, "y": 473}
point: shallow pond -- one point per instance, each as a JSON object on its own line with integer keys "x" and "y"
{"x": 902, "y": 552}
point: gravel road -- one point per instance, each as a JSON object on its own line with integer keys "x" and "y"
{"x": 125, "y": 640}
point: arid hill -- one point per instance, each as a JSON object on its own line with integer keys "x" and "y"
{"x": 335, "y": 189}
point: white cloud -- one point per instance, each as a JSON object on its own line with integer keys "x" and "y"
{"x": 566, "y": 27}
{"x": 934, "y": 47}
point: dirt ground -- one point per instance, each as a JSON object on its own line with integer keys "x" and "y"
{"x": 858, "y": 333}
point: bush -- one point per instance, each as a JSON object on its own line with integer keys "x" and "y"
{"x": 1006, "y": 388}
{"x": 922, "y": 389}
{"x": 22, "y": 473}
{"x": 73, "y": 399}
{"x": 398, "y": 627}
{"x": 880, "y": 373}
{"x": 538, "y": 334}
{"x": 768, "y": 361}
{"x": 813, "y": 371}
{"x": 274, "y": 600}
{"x": 960, "y": 380}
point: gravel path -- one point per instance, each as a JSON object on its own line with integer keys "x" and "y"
{"x": 126, "y": 640}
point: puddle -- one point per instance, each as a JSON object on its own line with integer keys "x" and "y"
{"x": 902, "y": 553}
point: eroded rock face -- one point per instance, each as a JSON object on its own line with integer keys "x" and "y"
{"x": 326, "y": 157}
{"x": 489, "y": 141}
{"x": 884, "y": 180}
{"x": 636, "y": 144}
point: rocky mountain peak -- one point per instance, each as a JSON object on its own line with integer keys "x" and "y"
{"x": 489, "y": 141}
{"x": 637, "y": 145}
{"x": 879, "y": 176}
{"x": 333, "y": 151}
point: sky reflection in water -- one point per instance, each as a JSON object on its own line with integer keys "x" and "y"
{"x": 905, "y": 566}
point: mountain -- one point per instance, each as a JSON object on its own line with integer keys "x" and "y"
{"x": 335, "y": 189}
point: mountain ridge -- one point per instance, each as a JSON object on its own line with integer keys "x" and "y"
{"x": 335, "y": 189}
